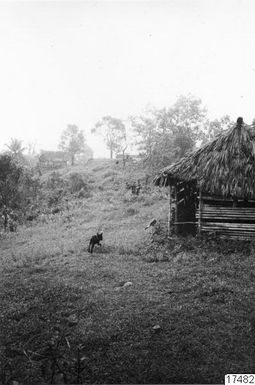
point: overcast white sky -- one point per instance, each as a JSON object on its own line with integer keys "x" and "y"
{"x": 74, "y": 62}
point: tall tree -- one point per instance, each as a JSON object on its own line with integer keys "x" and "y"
{"x": 72, "y": 141}
{"x": 113, "y": 132}
{"x": 167, "y": 134}
{"x": 145, "y": 132}
{"x": 186, "y": 119}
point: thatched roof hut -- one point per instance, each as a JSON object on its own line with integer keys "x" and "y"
{"x": 53, "y": 159}
{"x": 224, "y": 167}
{"x": 222, "y": 171}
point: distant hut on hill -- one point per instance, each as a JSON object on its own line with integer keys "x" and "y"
{"x": 213, "y": 188}
{"x": 53, "y": 159}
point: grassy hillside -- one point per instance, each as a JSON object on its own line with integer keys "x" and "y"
{"x": 141, "y": 309}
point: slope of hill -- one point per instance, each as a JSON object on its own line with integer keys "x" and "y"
{"x": 135, "y": 311}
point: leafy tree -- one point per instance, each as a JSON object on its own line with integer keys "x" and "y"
{"x": 72, "y": 141}
{"x": 113, "y": 132}
{"x": 10, "y": 175}
{"x": 185, "y": 120}
{"x": 216, "y": 127}
{"x": 15, "y": 149}
{"x": 165, "y": 135}
{"x": 29, "y": 190}
{"x": 144, "y": 127}
{"x": 19, "y": 190}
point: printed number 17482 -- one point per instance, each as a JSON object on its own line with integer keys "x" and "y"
{"x": 237, "y": 379}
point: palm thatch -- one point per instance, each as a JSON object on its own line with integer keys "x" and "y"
{"x": 225, "y": 167}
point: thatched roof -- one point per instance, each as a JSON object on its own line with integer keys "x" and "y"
{"x": 54, "y": 156}
{"x": 224, "y": 167}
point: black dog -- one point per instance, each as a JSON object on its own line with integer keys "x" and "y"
{"x": 95, "y": 240}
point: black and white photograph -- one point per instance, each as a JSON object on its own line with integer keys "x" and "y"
{"x": 127, "y": 192}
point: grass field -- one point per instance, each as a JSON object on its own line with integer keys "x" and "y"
{"x": 187, "y": 314}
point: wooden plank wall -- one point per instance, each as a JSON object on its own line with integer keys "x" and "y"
{"x": 228, "y": 221}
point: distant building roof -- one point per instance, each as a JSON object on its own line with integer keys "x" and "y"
{"x": 54, "y": 156}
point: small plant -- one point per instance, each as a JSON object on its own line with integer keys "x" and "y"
{"x": 159, "y": 234}
{"x": 84, "y": 194}
{"x": 54, "y": 197}
{"x": 131, "y": 211}
{"x": 148, "y": 201}
{"x": 55, "y": 181}
{"x": 76, "y": 183}
{"x": 109, "y": 174}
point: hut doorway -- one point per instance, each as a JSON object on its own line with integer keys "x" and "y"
{"x": 183, "y": 205}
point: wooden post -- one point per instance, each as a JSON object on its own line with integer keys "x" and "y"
{"x": 200, "y": 211}
{"x": 169, "y": 212}
{"x": 176, "y": 210}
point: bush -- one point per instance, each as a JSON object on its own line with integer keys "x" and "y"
{"x": 54, "y": 197}
{"x": 129, "y": 197}
{"x": 76, "y": 183}
{"x": 109, "y": 174}
{"x": 55, "y": 181}
{"x": 84, "y": 194}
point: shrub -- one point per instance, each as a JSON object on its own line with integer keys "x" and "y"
{"x": 129, "y": 197}
{"x": 54, "y": 197}
{"x": 109, "y": 174}
{"x": 149, "y": 201}
{"x": 76, "y": 183}
{"x": 84, "y": 194}
{"x": 55, "y": 181}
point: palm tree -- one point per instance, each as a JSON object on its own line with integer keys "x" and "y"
{"x": 15, "y": 148}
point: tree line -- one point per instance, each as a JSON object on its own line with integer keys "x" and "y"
{"x": 162, "y": 136}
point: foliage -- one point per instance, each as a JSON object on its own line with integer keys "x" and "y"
{"x": 19, "y": 191}
{"x": 113, "y": 132}
{"x": 217, "y": 127}
{"x": 54, "y": 197}
{"x": 186, "y": 119}
{"x": 72, "y": 141}
{"x": 55, "y": 181}
{"x": 165, "y": 135}
{"x": 16, "y": 150}
{"x": 144, "y": 127}
{"x": 10, "y": 176}
{"x": 76, "y": 183}
{"x": 29, "y": 190}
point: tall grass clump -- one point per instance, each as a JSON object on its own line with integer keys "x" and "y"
{"x": 76, "y": 183}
